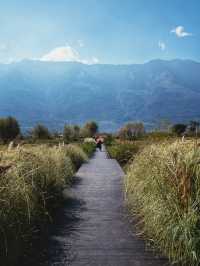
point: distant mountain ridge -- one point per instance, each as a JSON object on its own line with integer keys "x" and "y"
{"x": 66, "y": 92}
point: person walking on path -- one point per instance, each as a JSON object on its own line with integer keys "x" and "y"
{"x": 99, "y": 143}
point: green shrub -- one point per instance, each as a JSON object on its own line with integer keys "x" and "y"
{"x": 123, "y": 152}
{"x": 40, "y": 132}
{"x": 9, "y": 128}
{"x": 71, "y": 133}
{"x": 179, "y": 129}
{"x": 89, "y": 148}
{"x": 163, "y": 187}
{"x": 89, "y": 129}
{"x": 109, "y": 140}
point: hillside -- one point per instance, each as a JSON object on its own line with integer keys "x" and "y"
{"x": 58, "y": 93}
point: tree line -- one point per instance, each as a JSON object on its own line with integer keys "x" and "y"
{"x": 136, "y": 130}
{"x": 10, "y": 130}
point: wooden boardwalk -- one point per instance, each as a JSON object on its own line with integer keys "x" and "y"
{"x": 94, "y": 229}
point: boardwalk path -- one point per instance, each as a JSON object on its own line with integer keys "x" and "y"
{"x": 94, "y": 230}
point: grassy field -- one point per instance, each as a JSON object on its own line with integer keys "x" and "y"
{"x": 162, "y": 186}
{"x": 163, "y": 189}
{"x": 123, "y": 152}
{"x": 31, "y": 182}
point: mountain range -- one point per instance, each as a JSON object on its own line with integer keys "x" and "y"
{"x": 56, "y": 93}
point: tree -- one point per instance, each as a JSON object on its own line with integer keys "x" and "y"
{"x": 68, "y": 133}
{"x": 131, "y": 131}
{"x": 40, "y": 132}
{"x": 90, "y": 129}
{"x": 193, "y": 127}
{"x": 179, "y": 129}
{"x": 71, "y": 133}
{"x": 76, "y": 132}
{"x": 9, "y": 128}
{"x": 164, "y": 125}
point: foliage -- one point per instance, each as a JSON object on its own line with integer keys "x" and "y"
{"x": 164, "y": 125}
{"x": 77, "y": 155}
{"x": 71, "y": 133}
{"x": 31, "y": 184}
{"x": 157, "y": 136}
{"x": 89, "y": 148}
{"x": 76, "y": 130}
{"x": 131, "y": 131}
{"x": 68, "y": 133}
{"x": 179, "y": 129}
{"x": 163, "y": 186}
{"x": 109, "y": 139}
{"x": 90, "y": 129}
{"x": 40, "y": 132}
{"x": 193, "y": 127}
{"x": 123, "y": 152}
{"x": 9, "y": 128}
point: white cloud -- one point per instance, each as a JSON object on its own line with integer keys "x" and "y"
{"x": 180, "y": 32}
{"x": 66, "y": 54}
{"x": 162, "y": 45}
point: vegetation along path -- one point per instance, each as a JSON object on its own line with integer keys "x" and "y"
{"x": 95, "y": 230}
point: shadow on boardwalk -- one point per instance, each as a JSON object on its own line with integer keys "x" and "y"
{"x": 46, "y": 250}
{"x": 92, "y": 228}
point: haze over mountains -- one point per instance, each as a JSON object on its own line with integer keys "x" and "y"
{"x": 67, "y": 92}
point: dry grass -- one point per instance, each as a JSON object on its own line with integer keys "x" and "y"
{"x": 163, "y": 188}
{"x": 31, "y": 182}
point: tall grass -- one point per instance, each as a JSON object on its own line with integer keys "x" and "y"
{"x": 89, "y": 148}
{"x": 123, "y": 152}
{"x": 163, "y": 188}
{"x": 77, "y": 155}
{"x": 31, "y": 184}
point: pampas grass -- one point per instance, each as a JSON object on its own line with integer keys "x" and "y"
{"x": 77, "y": 155}
{"x": 163, "y": 187}
{"x": 31, "y": 183}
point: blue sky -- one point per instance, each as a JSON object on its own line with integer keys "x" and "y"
{"x": 104, "y": 31}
